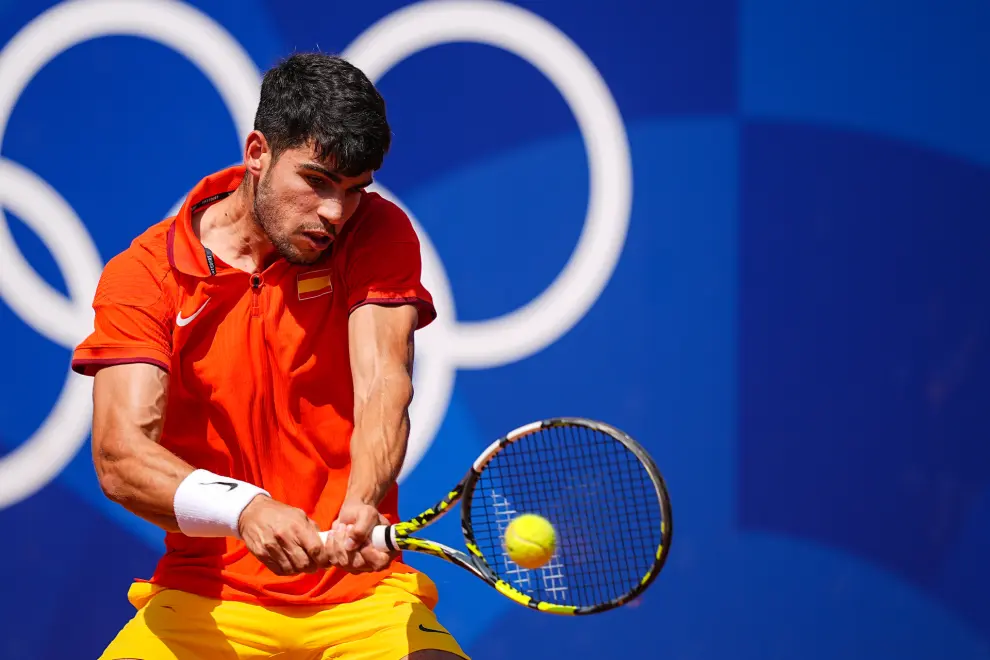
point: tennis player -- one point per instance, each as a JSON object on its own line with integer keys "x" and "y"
{"x": 252, "y": 362}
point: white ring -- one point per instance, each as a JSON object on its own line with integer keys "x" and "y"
{"x": 186, "y": 30}
{"x": 33, "y": 464}
{"x": 182, "y": 28}
{"x": 545, "y": 319}
{"x": 65, "y": 321}
{"x": 433, "y": 373}
{"x": 444, "y": 345}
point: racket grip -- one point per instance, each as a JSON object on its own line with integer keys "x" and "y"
{"x": 379, "y": 537}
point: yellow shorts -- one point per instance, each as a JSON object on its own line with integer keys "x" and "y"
{"x": 388, "y": 624}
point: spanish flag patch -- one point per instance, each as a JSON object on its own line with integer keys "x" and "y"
{"x": 314, "y": 284}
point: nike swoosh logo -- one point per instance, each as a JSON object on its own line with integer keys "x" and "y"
{"x": 182, "y": 321}
{"x": 425, "y": 629}
{"x": 230, "y": 485}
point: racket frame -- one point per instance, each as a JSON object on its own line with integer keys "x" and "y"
{"x": 398, "y": 537}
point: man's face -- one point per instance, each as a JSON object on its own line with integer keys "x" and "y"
{"x": 301, "y": 204}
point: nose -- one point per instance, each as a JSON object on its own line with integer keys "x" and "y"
{"x": 331, "y": 211}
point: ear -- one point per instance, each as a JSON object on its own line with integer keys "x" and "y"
{"x": 257, "y": 153}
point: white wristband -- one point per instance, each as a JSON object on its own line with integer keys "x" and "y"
{"x": 208, "y": 505}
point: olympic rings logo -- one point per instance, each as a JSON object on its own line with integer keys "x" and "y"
{"x": 442, "y": 348}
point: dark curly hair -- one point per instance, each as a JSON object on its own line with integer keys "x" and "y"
{"x": 323, "y": 99}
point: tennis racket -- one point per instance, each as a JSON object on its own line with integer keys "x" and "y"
{"x": 597, "y": 486}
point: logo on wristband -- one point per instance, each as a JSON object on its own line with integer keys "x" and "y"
{"x": 229, "y": 484}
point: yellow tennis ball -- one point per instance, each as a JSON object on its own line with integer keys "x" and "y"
{"x": 530, "y": 540}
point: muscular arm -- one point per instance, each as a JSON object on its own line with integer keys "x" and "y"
{"x": 381, "y": 348}
{"x": 133, "y": 469}
{"x": 142, "y": 476}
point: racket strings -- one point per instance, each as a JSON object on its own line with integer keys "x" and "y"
{"x": 598, "y": 496}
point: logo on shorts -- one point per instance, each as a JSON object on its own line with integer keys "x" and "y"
{"x": 425, "y": 629}
{"x": 314, "y": 284}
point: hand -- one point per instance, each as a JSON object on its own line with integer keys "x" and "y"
{"x": 349, "y": 540}
{"x": 282, "y": 537}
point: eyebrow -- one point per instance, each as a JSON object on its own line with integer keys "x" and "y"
{"x": 331, "y": 175}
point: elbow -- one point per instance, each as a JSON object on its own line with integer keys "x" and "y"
{"x": 112, "y": 486}
{"x": 108, "y": 472}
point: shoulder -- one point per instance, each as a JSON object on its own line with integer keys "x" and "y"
{"x": 139, "y": 275}
{"x": 379, "y": 219}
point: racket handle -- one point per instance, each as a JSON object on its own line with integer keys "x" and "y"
{"x": 379, "y": 535}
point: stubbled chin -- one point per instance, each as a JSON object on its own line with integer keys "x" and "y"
{"x": 304, "y": 256}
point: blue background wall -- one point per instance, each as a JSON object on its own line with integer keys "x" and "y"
{"x": 798, "y": 326}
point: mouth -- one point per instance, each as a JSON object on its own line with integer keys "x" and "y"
{"x": 319, "y": 239}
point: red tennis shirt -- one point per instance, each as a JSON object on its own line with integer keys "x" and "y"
{"x": 259, "y": 374}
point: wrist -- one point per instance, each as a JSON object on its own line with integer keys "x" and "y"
{"x": 360, "y": 497}
{"x": 210, "y": 505}
{"x": 362, "y": 491}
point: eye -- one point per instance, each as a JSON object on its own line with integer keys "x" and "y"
{"x": 314, "y": 180}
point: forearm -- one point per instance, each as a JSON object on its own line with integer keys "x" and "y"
{"x": 141, "y": 475}
{"x": 144, "y": 477}
{"x": 155, "y": 484}
{"x": 380, "y": 437}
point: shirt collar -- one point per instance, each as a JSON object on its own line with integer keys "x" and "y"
{"x": 185, "y": 251}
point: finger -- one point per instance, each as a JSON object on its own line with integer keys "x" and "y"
{"x": 274, "y": 557}
{"x": 314, "y": 548}
{"x": 356, "y": 562}
{"x": 296, "y": 555}
{"x": 344, "y": 542}
{"x": 272, "y": 565}
{"x": 288, "y": 537}
{"x": 360, "y": 530}
{"x": 374, "y": 559}
{"x": 335, "y": 546}
{"x": 335, "y": 554}
{"x": 334, "y": 539}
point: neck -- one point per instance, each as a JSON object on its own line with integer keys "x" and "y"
{"x": 229, "y": 229}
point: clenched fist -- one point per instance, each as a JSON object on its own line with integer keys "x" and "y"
{"x": 349, "y": 540}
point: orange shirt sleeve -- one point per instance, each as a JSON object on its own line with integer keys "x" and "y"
{"x": 384, "y": 263}
{"x": 134, "y": 314}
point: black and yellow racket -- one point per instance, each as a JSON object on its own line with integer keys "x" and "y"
{"x": 601, "y": 492}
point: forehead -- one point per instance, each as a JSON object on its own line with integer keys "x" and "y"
{"x": 303, "y": 153}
